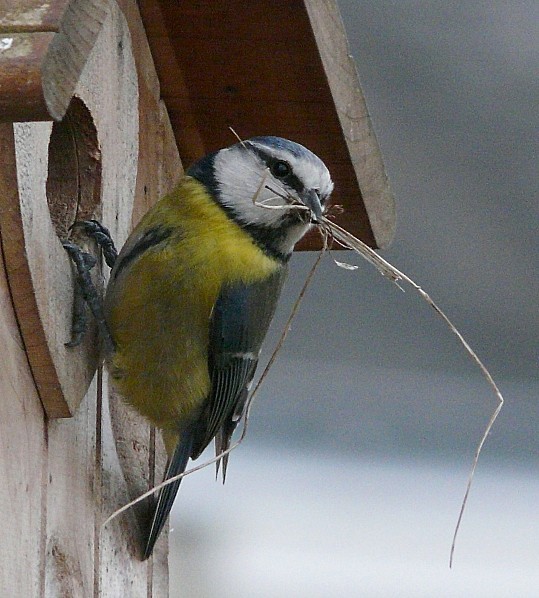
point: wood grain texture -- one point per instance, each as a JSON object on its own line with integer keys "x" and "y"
{"x": 264, "y": 68}
{"x": 21, "y": 57}
{"x": 31, "y": 15}
{"x": 43, "y": 298}
{"x": 65, "y": 476}
{"x": 72, "y": 498}
{"x": 43, "y": 51}
{"x": 43, "y": 295}
{"x": 66, "y": 57}
{"x": 353, "y": 114}
{"x": 23, "y": 460}
{"x": 14, "y": 201}
{"x": 125, "y": 473}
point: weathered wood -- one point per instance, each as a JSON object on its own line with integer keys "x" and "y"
{"x": 13, "y": 201}
{"x": 41, "y": 280}
{"x": 68, "y": 475}
{"x": 356, "y": 126}
{"x": 120, "y": 541}
{"x": 72, "y": 498}
{"x": 21, "y": 92}
{"x": 23, "y": 459}
{"x": 31, "y": 15}
{"x": 43, "y": 295}
{"x": 280, "y": 68}
{"x": 43, "y": 51}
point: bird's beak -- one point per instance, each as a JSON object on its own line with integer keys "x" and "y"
{"x": 311, "y": 199}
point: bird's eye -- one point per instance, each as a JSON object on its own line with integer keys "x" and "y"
{"x": 280, "y": 169}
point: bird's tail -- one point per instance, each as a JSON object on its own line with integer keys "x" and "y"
{"x": 222, "y": 444}
{"x": 165, "y": 500}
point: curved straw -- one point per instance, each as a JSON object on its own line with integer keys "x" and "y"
{"x": 332, "y": 231}
{"x": 386, "y": 269}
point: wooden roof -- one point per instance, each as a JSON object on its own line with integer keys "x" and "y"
{"x": 272, "y": 68}
{"x": 264, "y": 68}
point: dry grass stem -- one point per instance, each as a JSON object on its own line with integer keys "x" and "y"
{"x": 329, "y": 228}
{"x": 332, "y": 232}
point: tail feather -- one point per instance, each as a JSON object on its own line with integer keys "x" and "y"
{"x": 165, "y": 500}
{"x": 222, "y": 443}
{"x": 223, "y": 438}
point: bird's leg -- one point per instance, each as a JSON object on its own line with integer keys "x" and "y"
{"x": 79, "y": 324}
{"x": 86, "y": 294}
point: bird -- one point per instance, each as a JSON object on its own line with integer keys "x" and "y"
{"x": 194, "y": 289}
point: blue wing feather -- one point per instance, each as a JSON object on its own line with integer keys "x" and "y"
{"x": 239, "y": 323}
{"x": 240, "y": 320}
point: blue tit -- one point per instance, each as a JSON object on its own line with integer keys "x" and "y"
{"x": 193, "y": 291}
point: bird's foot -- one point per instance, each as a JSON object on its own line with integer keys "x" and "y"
{"x": 101, "y": 235}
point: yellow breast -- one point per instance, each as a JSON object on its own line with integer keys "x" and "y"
{"x": 159, "y": 307}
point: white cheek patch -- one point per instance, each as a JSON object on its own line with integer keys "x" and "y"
{"x": 247, "y": 186}
{"x": 243, "y": 180}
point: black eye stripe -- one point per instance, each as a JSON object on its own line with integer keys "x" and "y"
{"x": 290, "y": 180}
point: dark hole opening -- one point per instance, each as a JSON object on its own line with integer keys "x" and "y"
{"x": 74, "y": 169}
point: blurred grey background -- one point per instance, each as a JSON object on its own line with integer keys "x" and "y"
{"x": 360, "y": 442}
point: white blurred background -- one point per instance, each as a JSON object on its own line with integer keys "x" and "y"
{"x": 350, "y": 480}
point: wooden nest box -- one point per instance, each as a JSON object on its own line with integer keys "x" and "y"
{"x": 102, "y": 105}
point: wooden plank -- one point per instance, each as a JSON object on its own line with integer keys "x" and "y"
{"x": 21, "y": 93}
{"x": 356, "y": 125}
{"x": 42, "y": 53}
{"x": 264, "y": 68}
{"x": 23, "y": 454}
{"x": 18, "y": 259}
{"x": 124, "y": 444}
{"x": 78, "y": 30}
{"x": 42, "y": 295}
{"x": 72, "y": 496}
{"x": 31, "y": 15}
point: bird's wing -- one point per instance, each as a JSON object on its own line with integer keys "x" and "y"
{"x": 239, "y": 322}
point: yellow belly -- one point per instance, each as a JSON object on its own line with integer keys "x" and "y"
{"x": 158, "y": 309}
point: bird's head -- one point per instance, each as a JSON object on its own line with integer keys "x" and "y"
{"x": 273, "y": 187}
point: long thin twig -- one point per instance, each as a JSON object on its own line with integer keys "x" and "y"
{"x": 389, "y": 271}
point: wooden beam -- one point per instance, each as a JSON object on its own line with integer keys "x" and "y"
{"x": 356, "y": 126}
{"x": 43, "y": 49}
{"x": 23, "y": 459}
